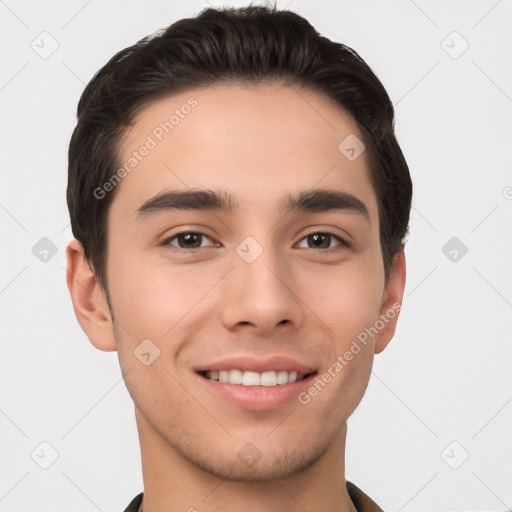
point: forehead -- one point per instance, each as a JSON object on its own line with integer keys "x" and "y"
{"x": 253, "y": 142}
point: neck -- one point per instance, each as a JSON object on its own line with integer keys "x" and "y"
{"x": 173, "y": 483}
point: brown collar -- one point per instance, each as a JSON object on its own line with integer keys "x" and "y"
{"x": 361, "y": 501}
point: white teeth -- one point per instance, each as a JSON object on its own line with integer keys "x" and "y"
{"x": 268, "y": 379}
{"x": 251, "y": 379}
{"x": 282, "y": 377}
{"x": 235, "y": 377}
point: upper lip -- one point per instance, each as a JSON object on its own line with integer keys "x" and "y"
{"x": 252, "y": 364}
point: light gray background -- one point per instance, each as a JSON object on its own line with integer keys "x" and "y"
{"x": 447, "y": 374}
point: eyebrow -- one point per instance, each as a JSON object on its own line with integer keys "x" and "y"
{"x": 317, "y": 200}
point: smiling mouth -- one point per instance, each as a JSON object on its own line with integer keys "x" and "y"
{"x": 247, "y": 378}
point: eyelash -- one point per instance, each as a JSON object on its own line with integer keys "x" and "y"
{"x": 167, "y": 241}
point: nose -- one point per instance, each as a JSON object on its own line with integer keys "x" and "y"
{"x": 261, "y": 295}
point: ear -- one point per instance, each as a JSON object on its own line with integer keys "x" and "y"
{"x": 89, "y": 299}
{"x": 391, "y": 303}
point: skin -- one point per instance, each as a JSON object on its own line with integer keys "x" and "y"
{"x": 258, "y": 144}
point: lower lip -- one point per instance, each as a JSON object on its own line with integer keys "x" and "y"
{"x": 257, "y": 398}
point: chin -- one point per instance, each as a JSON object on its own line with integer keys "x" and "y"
{"x": 260, "y": 467}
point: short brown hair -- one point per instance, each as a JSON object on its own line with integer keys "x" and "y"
{"x": 250, "y": 45}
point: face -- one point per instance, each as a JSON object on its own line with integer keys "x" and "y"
{"x": 271, "y": 290}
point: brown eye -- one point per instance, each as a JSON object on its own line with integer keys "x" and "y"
{"x": 187, "y": 240}
{"x": 323, "y": 241}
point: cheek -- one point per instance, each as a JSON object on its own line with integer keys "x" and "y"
{"x": 153, "y": 300}
{"x": 151, "y": 303}
{"x": 143, "y": 295}
{"x": 347, "y": 299}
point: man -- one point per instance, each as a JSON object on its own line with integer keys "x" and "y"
{"x": 239, "y": 203}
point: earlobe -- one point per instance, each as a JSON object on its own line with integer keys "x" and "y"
{"x": 89, "y": 299}
{"x": 391, "y": 303}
